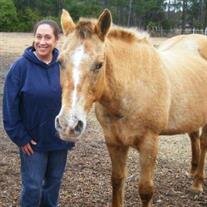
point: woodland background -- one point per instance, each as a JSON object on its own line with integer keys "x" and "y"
{"x": 160, "y": 17}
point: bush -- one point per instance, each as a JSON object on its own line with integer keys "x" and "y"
{"x": 8, "y": 16}
{"x": 26, "y": 19}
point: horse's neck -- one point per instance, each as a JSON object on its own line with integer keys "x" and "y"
{"x": 129, "y": 70}
{"x": 127, "y": 63}
{"x": 120, "y": 70}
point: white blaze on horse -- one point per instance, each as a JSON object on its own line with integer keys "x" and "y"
{"x": 140, "y": 93}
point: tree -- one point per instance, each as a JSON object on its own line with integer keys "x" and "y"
{"x": 184, "y": 12}
{"x": 83, "y": 8}
{"x": 8, "y": 15}
{"x": 27, "y": 19}
{"x": 130, "y": 11}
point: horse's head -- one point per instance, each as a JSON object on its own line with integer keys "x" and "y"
{"x": 82, "y": 61}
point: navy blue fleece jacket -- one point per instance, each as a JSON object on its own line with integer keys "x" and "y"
{"x": 31, "y": 101}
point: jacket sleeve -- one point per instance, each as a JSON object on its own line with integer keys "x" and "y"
{"x": 11, "y": 115}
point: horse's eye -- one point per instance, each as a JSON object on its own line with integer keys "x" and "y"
{"x": 98, "y": 66}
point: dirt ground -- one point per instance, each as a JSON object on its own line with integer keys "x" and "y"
{"x": 86, "y": 181}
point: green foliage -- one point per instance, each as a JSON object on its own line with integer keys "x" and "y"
{"x": 86, "y": 8}
{"x": 8, "y": 16}
{"x": 20, "y": 15}
{"x": 168, "y": 24}
{"x": 30, "y": 11}
{"x": 27, "y": 19}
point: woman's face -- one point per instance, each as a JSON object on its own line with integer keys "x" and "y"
{"x": 45, "y": 41}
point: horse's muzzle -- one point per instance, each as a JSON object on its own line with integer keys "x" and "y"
{"x": 69, "y": 129}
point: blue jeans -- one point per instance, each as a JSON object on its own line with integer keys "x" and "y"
{"x": 41, "y": 178}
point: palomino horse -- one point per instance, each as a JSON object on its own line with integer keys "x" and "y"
{"x": 140, "y": 92}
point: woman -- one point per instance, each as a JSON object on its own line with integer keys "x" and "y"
{"x": 31, "y": 101}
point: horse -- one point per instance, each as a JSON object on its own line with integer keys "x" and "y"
{"x": 139, "y": 92}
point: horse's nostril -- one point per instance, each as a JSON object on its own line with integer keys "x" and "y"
{"x": 58, "y": 123}
{"x": 79, "y": 126}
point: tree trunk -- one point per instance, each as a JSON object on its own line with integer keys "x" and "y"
{"x": 129, "y": 14}
{"x": 184, "y": 8}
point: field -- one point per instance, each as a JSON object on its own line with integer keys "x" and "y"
{"x": 86, "y": 181}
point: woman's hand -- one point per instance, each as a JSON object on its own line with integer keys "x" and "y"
{"x": 27, "y": 148}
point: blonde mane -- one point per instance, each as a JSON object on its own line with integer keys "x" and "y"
{"x": 128, "y": 34}
{"x": 86, "y": 27}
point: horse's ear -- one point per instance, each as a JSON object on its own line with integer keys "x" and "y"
{"x": 67, "y": 23}
{"x": 104, "y": 23}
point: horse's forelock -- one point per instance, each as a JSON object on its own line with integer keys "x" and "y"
{"x": 85, "y": 28}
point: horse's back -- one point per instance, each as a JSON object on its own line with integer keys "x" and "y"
{"x": 194, "y": 43}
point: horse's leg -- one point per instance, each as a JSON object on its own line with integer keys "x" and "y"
{"x": 195, "y": 148}
{"x": 199, "y": 175}
{"x": 148, "y": 154}
{"x": 118, "y": 156}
